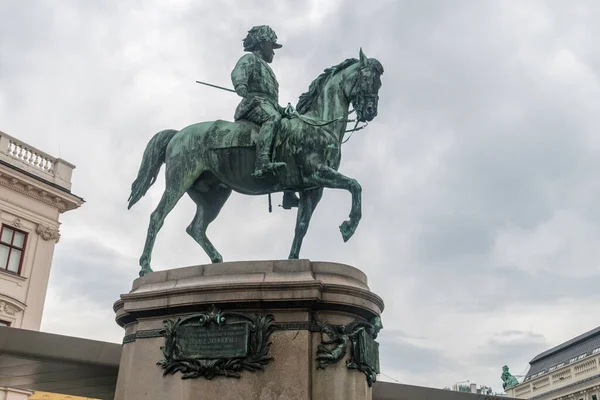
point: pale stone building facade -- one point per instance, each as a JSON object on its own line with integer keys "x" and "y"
{"x": 568, "y": 371}
{"x": 35, "y": 188}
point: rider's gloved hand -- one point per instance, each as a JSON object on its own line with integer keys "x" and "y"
{"x": 242, "y": 91}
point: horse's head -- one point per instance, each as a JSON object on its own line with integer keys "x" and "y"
{"x": 364, "y": 91}
{"x": 353, "y": 81}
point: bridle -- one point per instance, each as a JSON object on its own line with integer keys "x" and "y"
{"x": 290, "y": 111}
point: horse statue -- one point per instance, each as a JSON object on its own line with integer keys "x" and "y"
{"x": 210, "y": 159}
{"x": 508, "y": 379}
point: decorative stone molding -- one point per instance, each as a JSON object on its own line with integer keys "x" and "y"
{"x": 6, "y": 308}
{"x": 17, "y": 223}
{"x": 48, "y": 233}
{"x": 23, "y": 188}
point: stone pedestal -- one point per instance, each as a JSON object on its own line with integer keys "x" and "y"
{"x": 298, "y": 294}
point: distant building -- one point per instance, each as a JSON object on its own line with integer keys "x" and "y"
{"x": 396, "y": 391}
{"x": 567, "y": 371}
{"x": 472, "y": 388}
{"x": 35, "y": 188}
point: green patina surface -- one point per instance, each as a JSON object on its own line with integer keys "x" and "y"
{"x": 508, "y": 380}
{"x": 266, "y": 149}
{"x": 216, "y": 343}
{"x": 364, "y": 350}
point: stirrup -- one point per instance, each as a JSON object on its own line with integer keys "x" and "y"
{"x": 290, "y": 201}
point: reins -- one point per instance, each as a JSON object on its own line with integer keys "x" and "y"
{"x": 321, "y": 123}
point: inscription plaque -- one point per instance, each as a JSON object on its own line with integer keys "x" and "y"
{"x": 214, "y": 341}
{"x": 368, "y": 351}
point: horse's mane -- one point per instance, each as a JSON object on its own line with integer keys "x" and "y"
{"x": 306, "y": 99}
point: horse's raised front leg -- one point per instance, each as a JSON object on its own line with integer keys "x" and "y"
{"x": 308, "y": 202}
{"x": 330, "y": 178}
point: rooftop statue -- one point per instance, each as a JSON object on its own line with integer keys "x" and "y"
{"x": 508, "y": 380}
{"x": 267, "y": 149}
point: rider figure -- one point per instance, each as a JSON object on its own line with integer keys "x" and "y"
{"x": 254, "y": 81}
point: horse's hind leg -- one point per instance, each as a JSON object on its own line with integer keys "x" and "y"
{"x": 178, "y": 180}
{"x": 208, "y": 205}
{"x": 169, "y": 198}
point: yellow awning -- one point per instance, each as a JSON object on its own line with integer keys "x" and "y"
{"x": 55, "y": 396}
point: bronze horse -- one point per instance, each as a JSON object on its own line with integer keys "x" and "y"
{"x": 210, "y": 159}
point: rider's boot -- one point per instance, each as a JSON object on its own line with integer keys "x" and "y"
{"x": 290, "y": 200}
{"x": 264, "y": 164}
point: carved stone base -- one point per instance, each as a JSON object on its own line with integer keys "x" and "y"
{"x": 288, "y": 330}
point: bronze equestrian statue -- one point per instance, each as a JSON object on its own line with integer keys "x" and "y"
{"x": 261, "y": 152}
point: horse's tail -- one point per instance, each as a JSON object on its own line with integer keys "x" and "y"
{"x": 154, "y": 157}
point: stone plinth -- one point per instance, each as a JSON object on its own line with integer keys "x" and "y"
{"x": 295, "y": 292}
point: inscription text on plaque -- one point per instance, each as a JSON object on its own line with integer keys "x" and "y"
{"x": 214, "y": 341}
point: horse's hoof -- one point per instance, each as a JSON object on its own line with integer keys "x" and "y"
{"x": 347, "y": 230}
{"x": 217, "y": 260}
{"x": 145, "y": 271}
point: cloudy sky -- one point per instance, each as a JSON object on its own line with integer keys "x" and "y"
{"x": 480, "y": 175}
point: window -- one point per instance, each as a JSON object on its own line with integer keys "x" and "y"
{"x": 12, "y": 246}
{"x": 4, "y": 323}
{"x": 581, "y": 356}
{"x": 560, "y": 365}
{"x": 597, "y": 349}
{"x": 552, "y": 368}
{"x": 572, "y": 360}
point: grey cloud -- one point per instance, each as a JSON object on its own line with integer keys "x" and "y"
{"x": 518, "y": 333}
{"x": 87, "y": 268}
{"x": 399, "y": 354}
{"x": 514, "y": 350}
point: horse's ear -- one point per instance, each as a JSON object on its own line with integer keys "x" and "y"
{"x": 363, "y": 58}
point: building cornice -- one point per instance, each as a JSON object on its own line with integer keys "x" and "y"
{"x": 37, "y": 174}
{"x": 19, "y": 181}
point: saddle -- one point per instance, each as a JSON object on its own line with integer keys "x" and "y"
{"x": 242, "y": 133}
